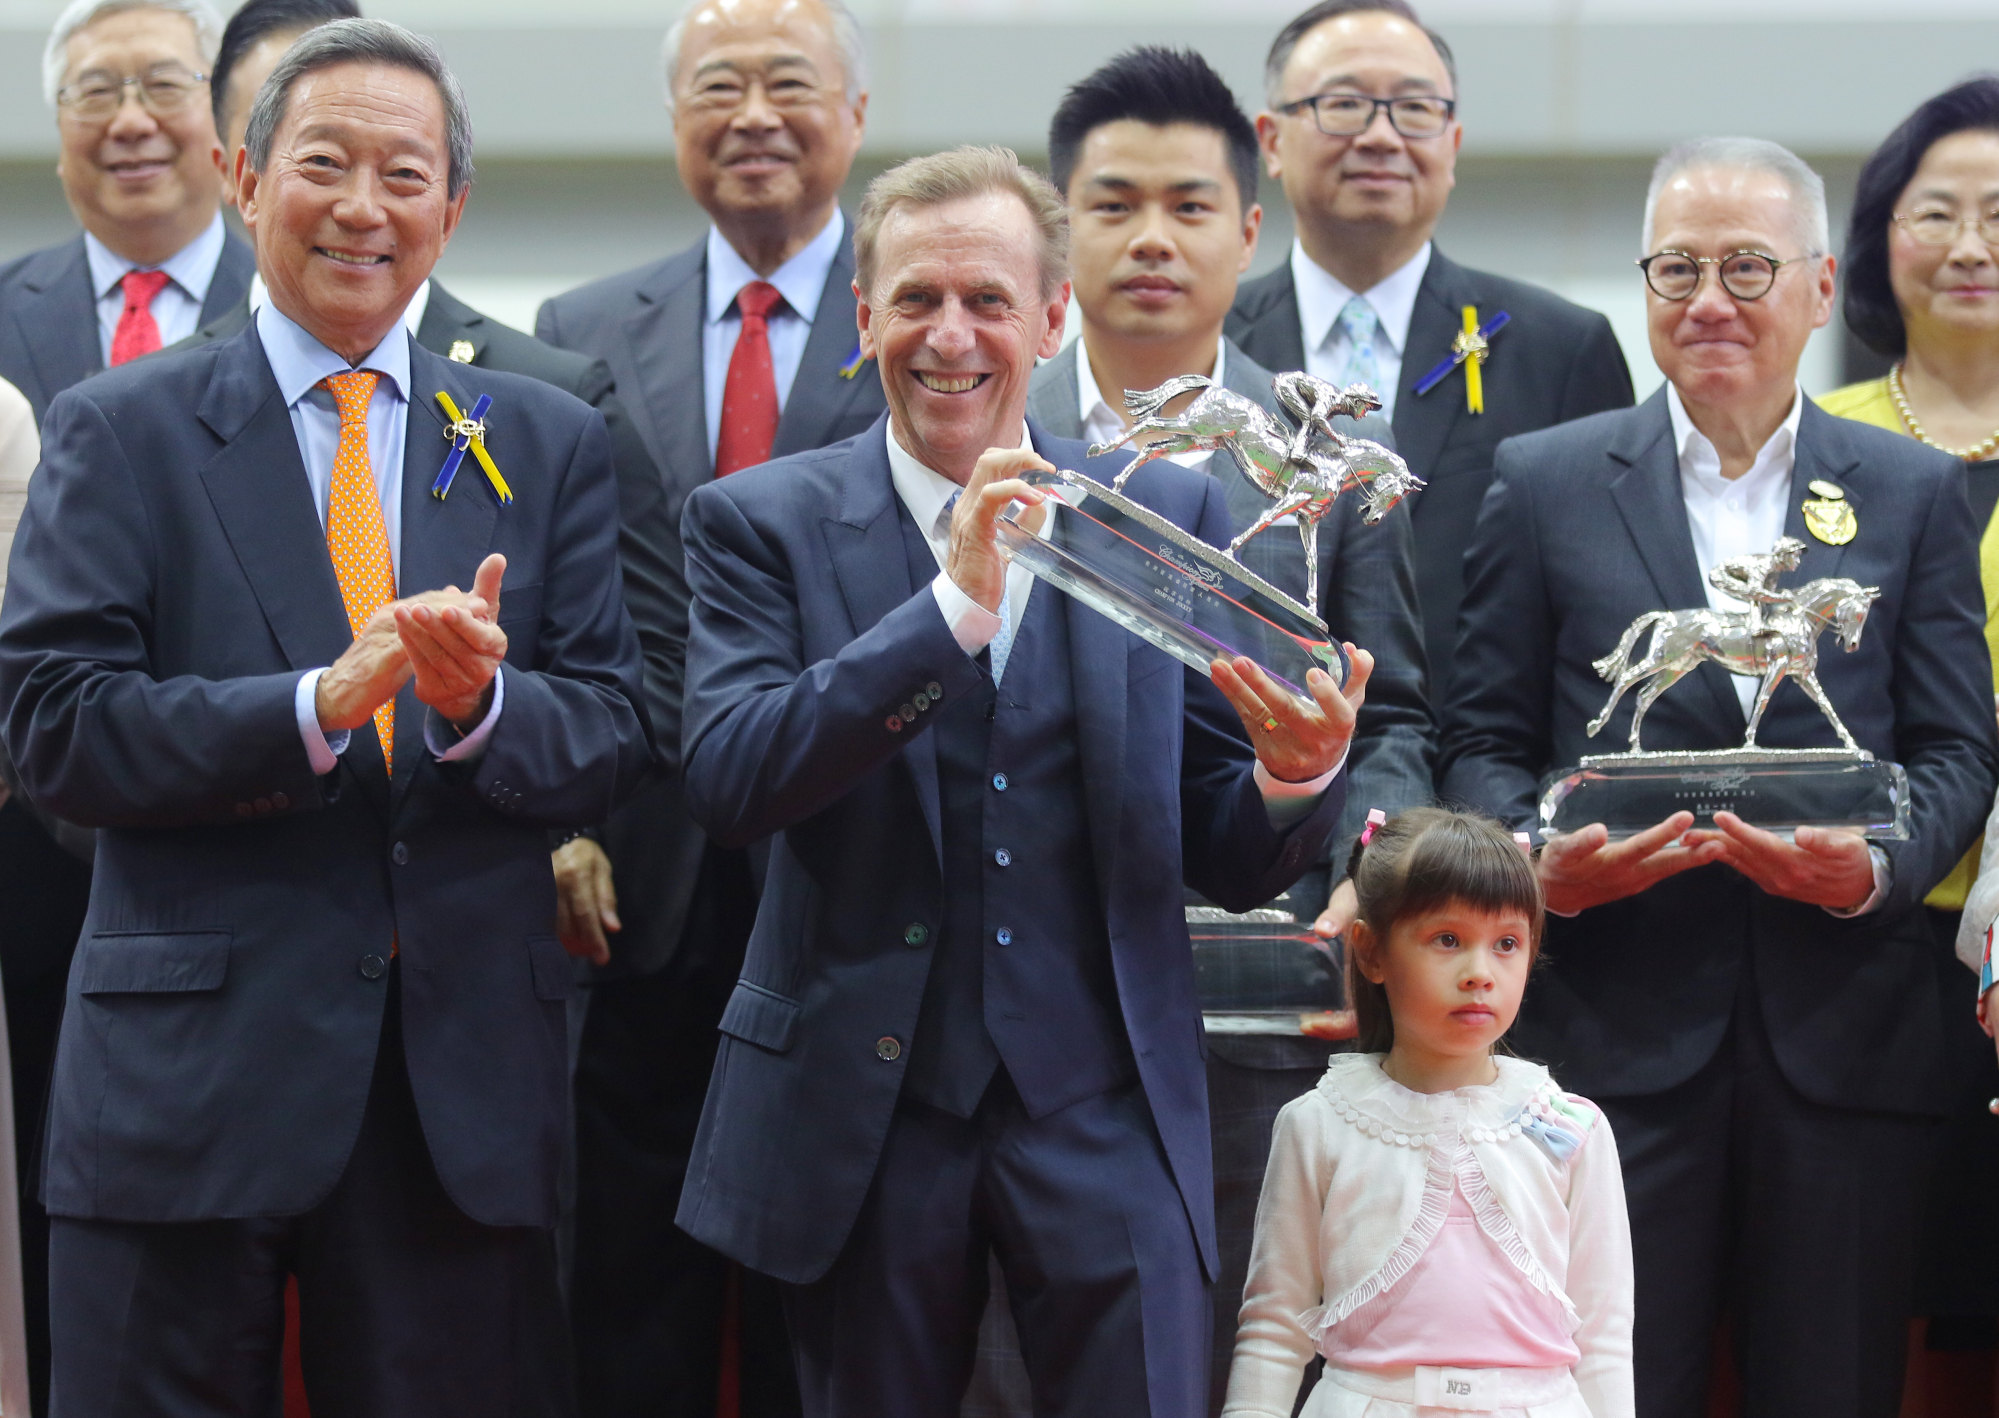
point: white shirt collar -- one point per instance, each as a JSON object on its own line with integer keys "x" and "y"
{"x": 1089, "y": 398}
{"x": 412, "y": 313}
{"x": 801, "y": 280}
{"x": 1322, "y": 296}
{"x": 299, "y": 362}
{"x": 923, "y": 490}
{"x": 1699, "y": 459}
{"x": 191, "y": 268}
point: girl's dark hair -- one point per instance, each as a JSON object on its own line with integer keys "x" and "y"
{"x": 1422, "y": 859}
{"x": 1871, "y": 312}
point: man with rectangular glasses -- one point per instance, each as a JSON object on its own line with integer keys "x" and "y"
{"x": 1363, "y": 132}
{"x": 1756, "y": 1013}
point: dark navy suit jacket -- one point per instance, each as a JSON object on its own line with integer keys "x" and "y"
{"x": 1585, "y": 529}
{"x": 169, "y": 583}
{"x": 808, "y": 634}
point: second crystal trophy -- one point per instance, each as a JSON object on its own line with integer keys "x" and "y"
{"x": 1192, "y": 600}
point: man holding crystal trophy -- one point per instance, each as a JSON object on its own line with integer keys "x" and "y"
{"x": 1723, "y": 653}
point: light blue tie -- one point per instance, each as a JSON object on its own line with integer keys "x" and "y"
{"x": 1002, "y": 643}
{"x": 1362, "y": 328}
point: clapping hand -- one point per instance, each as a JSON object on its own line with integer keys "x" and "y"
{"x": 455, "y": 645}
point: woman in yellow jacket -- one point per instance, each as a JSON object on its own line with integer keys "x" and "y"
{"x": 1922, "y": 288}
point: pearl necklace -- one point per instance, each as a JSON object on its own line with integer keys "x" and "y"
{"x": 1976, "y": 453}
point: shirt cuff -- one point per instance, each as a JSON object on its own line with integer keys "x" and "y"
{"x": 1287, "y": 803}
{"x": 972, "y": 625}
{"x": 441, "y": 737}
{"x": 322, "y": 749}
{"x": 1884, "y": 877}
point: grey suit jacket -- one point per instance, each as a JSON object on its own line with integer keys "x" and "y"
{"x": 48, "y": 315}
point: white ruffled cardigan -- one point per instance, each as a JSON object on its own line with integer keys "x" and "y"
{"x": 1359, "y": 1183}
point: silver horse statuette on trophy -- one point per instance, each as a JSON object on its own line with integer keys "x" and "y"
{"x": 1192, "y": 600}
{"x": 1773, "y": 638}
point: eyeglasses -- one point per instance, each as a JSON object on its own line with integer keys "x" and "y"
{"x": 163, "y": 89}
{"x": 1350, "y": 115}
{"x": 1746, "y": 275}
{"x": 1934, "y": 226}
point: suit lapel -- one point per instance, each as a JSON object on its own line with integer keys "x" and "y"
{"x": 1053, "y": 393}
{"x": 664, "y": 335}
{"x": 820, "y": 393}
{"x": 446, "y": 321}
{"x": 1423, "y": 423}
{"x": 229, "y": 287}
{"x": 1822, "y": 455}
{"x": 58, "y": 320}
{"x": 1099, "y": 666}
{"x": 1649, "y": 498}
{"x": 870, "y": 561}
{"x": 1269, "y": 321}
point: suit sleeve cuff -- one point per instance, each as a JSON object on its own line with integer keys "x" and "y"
{"x": 972, "y": 625}
{"x": 1293, "y": 802}
{"x": 440, "y": 736}
{"x": 1884, "y": 878}
{"x": 322, "y": 749}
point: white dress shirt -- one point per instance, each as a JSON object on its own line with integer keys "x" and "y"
{"x": 925, "y": 493}
{"x": 412, "y": 313}
{"x": 1321, "y": 298}
{"x": 177, "y": 308}
{"x": 1741, "y": 517}
{"x": 299, "y": 362}
{"x": 801, "y": 281}
{"x": 1104, "y": 424}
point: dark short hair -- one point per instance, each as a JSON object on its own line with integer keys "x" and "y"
{"x": 1156, "y": 85}
{"x": 256, "y": 22}
{"x": 1288, "y": 37}
{"x": 362, "y": 42}
{"x": 1417, "y": 861}
{"x": 1871, "y": 312}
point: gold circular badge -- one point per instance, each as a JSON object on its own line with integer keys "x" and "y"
{"x": 1831, "y": 522}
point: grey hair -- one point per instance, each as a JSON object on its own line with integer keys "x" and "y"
{"x": 846, "y": 38}
{"x": 362, "y": 42}
{"x": 1814, "y": 229}
{"x": 81, "y": 14}
{"x": 952, "y": 176}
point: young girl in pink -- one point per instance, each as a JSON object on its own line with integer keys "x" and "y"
{"x": 1443, "y": 1224}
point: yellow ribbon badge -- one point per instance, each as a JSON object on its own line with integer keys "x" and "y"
{"x": 469, "y": 432}
{"x": 1470, "y": 348}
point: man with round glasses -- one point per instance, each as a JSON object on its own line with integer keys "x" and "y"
{"x": 1756, "y": 1014}
{"x": 1363, "y": 131}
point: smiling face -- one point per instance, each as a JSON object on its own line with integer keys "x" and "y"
{"x": 1718, "y": 351}
{"x": 1949, "y": 292}
{"x": 1157, "y": 232}
{"x": 956, "y": 319}
{"x": 1378, "y": 183}
{"x": 143, "y": 184}
{"x": 350, "y": 213}
{"x": 762, "y": 126}
{"x": 1454, "y": 976}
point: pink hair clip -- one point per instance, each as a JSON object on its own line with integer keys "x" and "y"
{"x": 1375, "y": 817}
{"x": 1524, "y": 843}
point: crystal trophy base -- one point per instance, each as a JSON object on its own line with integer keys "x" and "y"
{"x": 1171, "y": 588}
{"x": 1776, "y": 789}
{"x": 1261, "y": 972}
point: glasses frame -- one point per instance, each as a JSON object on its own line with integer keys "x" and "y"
{"x": 1986, "y": 224}
{"x": 68, "y": 97}
{"x": 1450, "y": 112}
{"x": 1777, "y": 265}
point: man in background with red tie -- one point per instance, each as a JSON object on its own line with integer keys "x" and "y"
{"x": 129, "y": 87}
{"x": 316, "y": 1023}
{"x": 738, "y": 349}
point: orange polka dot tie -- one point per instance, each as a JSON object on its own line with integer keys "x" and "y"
{"x": 356, "y": 536}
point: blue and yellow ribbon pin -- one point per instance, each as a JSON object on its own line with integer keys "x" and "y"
{"x": 468, "y": 431}
{"x": 855, "y": 359}
{"x": 1471, "y": 348}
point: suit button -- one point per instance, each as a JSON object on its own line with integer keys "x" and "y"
{"x": 1003, "y": 936}
{"x": 999, "y": 782}
{"x": 1003, "y": 857}
{"x": 263, "y": 807}
{"x": 244, "y": 810}
{"x": 400, "y": 854}
{"x": 920, "y": 700}
{"x": 373, "y": 967}
{"x": 934, "y": 690}
{"x": 908, "y": 712}
{"x": 888, "y": 1049}
{"x": 280, "y": 801}
{"x": 893, "y": 724}
{"x": 915, "y": 933}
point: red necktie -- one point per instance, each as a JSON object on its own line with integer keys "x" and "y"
{"x": 749, "y": 398}
{"x": 138, "y": 333}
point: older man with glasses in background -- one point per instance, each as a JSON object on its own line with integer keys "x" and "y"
{"x": 1756, "y": 1013}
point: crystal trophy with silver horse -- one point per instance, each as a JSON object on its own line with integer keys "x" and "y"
{"x": 1773, "y": 637}
{"x": 1199, "y": 602}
